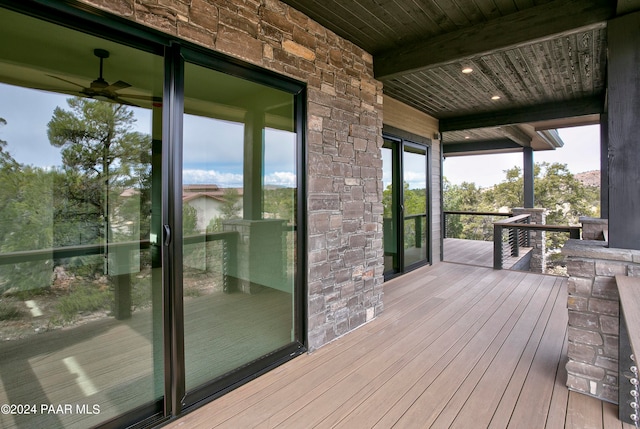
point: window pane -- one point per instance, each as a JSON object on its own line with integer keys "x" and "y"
{"x": 390, "y": 209}
{"x": 239, "y": 200}
{"x": 415, "y": 204}
{"x": 79, "y": 302}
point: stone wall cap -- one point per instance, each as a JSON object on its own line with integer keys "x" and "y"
{"x": 596, "y": 249}
{"x": 535, "y": 209}
{"x": 595, "y": 220}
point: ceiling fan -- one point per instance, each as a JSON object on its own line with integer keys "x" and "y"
{"x": 100, "y": 89}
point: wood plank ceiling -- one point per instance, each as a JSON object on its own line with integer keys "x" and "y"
{"x": 544, "y": 59}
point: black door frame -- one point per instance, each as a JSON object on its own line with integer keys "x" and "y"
{"x": 93, "y": 21}
{"x": 401, "y": 139}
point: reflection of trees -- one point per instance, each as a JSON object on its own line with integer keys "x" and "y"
{"x": 102, "y": 157}
{"x": 81, "y": 202}
{"x": 25, "y": 214}
{"x": 414, "y": 202}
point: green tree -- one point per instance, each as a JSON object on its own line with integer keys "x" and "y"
{"x": 280, "y": 203}
{"x": 230, "y": 209}
{"x": 466, "y": 197}
{"x": 555, "y": 189}
{"x": 189, "y": 220}
{"x": 102, "y": 156}
{"x": 25, "y": 224}
{"x": 230, "y": 204}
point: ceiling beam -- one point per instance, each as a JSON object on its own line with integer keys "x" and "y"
{"x": 541, "y": 112}
{"x": 479, "y": 146}
{"x": 514, "y": 133}
{"x": 627, "y": 6}
{"x": 525, "y": 27}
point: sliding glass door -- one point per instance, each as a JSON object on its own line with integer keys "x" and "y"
{"x": 148, "y": 225}
{"x": 239, "y": 228}
{"x": 80, "y": 280}
{"x": 406, "y": 216}
{"x": 414, "y": 202}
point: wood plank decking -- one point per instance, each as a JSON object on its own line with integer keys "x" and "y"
{"x": 476, "y": 252}
{"x": 457, "y": 346}
{"x": 472, "y": 252}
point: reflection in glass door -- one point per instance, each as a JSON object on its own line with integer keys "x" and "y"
{"x": 238, "y": 198}
{"x": 392, "y": 209}
{"x": 414, "y": 195}
{"x": 405, "y": 206}
{"x": 148, "y": 224}
{"x": 80, "y": 281}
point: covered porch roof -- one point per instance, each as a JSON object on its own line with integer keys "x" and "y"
{"x": 483, "y": 65}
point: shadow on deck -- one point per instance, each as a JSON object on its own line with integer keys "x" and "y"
{"x": 457, "y": 346}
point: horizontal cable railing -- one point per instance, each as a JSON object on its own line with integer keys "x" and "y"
{"x": 124, "y": 255}
{"x": 519, "y": 229}
{"x": 509, "y": 245}
{"x": 450, "y": 216}
{"x": 417, "y": 227}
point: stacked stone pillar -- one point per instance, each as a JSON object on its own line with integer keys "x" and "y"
{"x": 537, "y": 238}
{"x": 593, "y": 305}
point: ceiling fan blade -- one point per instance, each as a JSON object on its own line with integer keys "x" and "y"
{"x": 121, "y": 101}
{"x": 117, "y": 86}
{"x": 140, "y": 97}
{"x": 65, "y": 80}
{"x": 61, "y": 91}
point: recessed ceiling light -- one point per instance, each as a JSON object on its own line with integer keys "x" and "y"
{"x": 467, "y": 137}
{"x": 467, "y": 70}
{"x": 495, "y": 97}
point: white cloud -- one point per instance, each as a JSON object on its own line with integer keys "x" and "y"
{"x": 196, "y": 176}
{"x": 281, "y": 178}
{"x": 191, "y": 176}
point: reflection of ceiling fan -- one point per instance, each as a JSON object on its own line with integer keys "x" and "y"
{"x": 100, "y": 89}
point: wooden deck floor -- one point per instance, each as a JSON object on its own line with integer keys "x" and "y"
{"x": 457, "y": 346}
{"x": 475, "y": 252}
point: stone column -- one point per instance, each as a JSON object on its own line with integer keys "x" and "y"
{"x": 261, "y": 254}
{"x": 594, "y": 228}
{"x": 537, "y": 238}
{"x": 593, "y": 306}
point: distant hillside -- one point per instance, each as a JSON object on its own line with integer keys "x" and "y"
{"x": 589, "y": 178}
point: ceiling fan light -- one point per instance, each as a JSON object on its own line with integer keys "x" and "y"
{"x": 99, "y": 83}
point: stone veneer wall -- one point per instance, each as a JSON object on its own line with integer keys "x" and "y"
{"x": 594, "y": 228}
{"x": 593, "y": 306}
{"x": 343, "y": 141}
{"x": 537, "y": 240}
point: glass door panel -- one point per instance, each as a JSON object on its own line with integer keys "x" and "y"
{"x": 415, "y": 204}
{"x": 405, "y": 209}
{"x": 238, "y": 199}
{"x": 80, "y": 287}
{"x": 391, "y": 207}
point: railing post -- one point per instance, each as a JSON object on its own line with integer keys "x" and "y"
{"x": 497, "y": 247}
{"x": 574, "y": 233}
{"x": 418, "y": 227}
{"x": 122, "y": 283}
{"x": 444, "y": 225}
{"x": 230, "y": 263}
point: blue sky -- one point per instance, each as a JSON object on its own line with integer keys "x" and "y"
{"x": 213, "y": 148}
{"x": 209, "y": 141}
